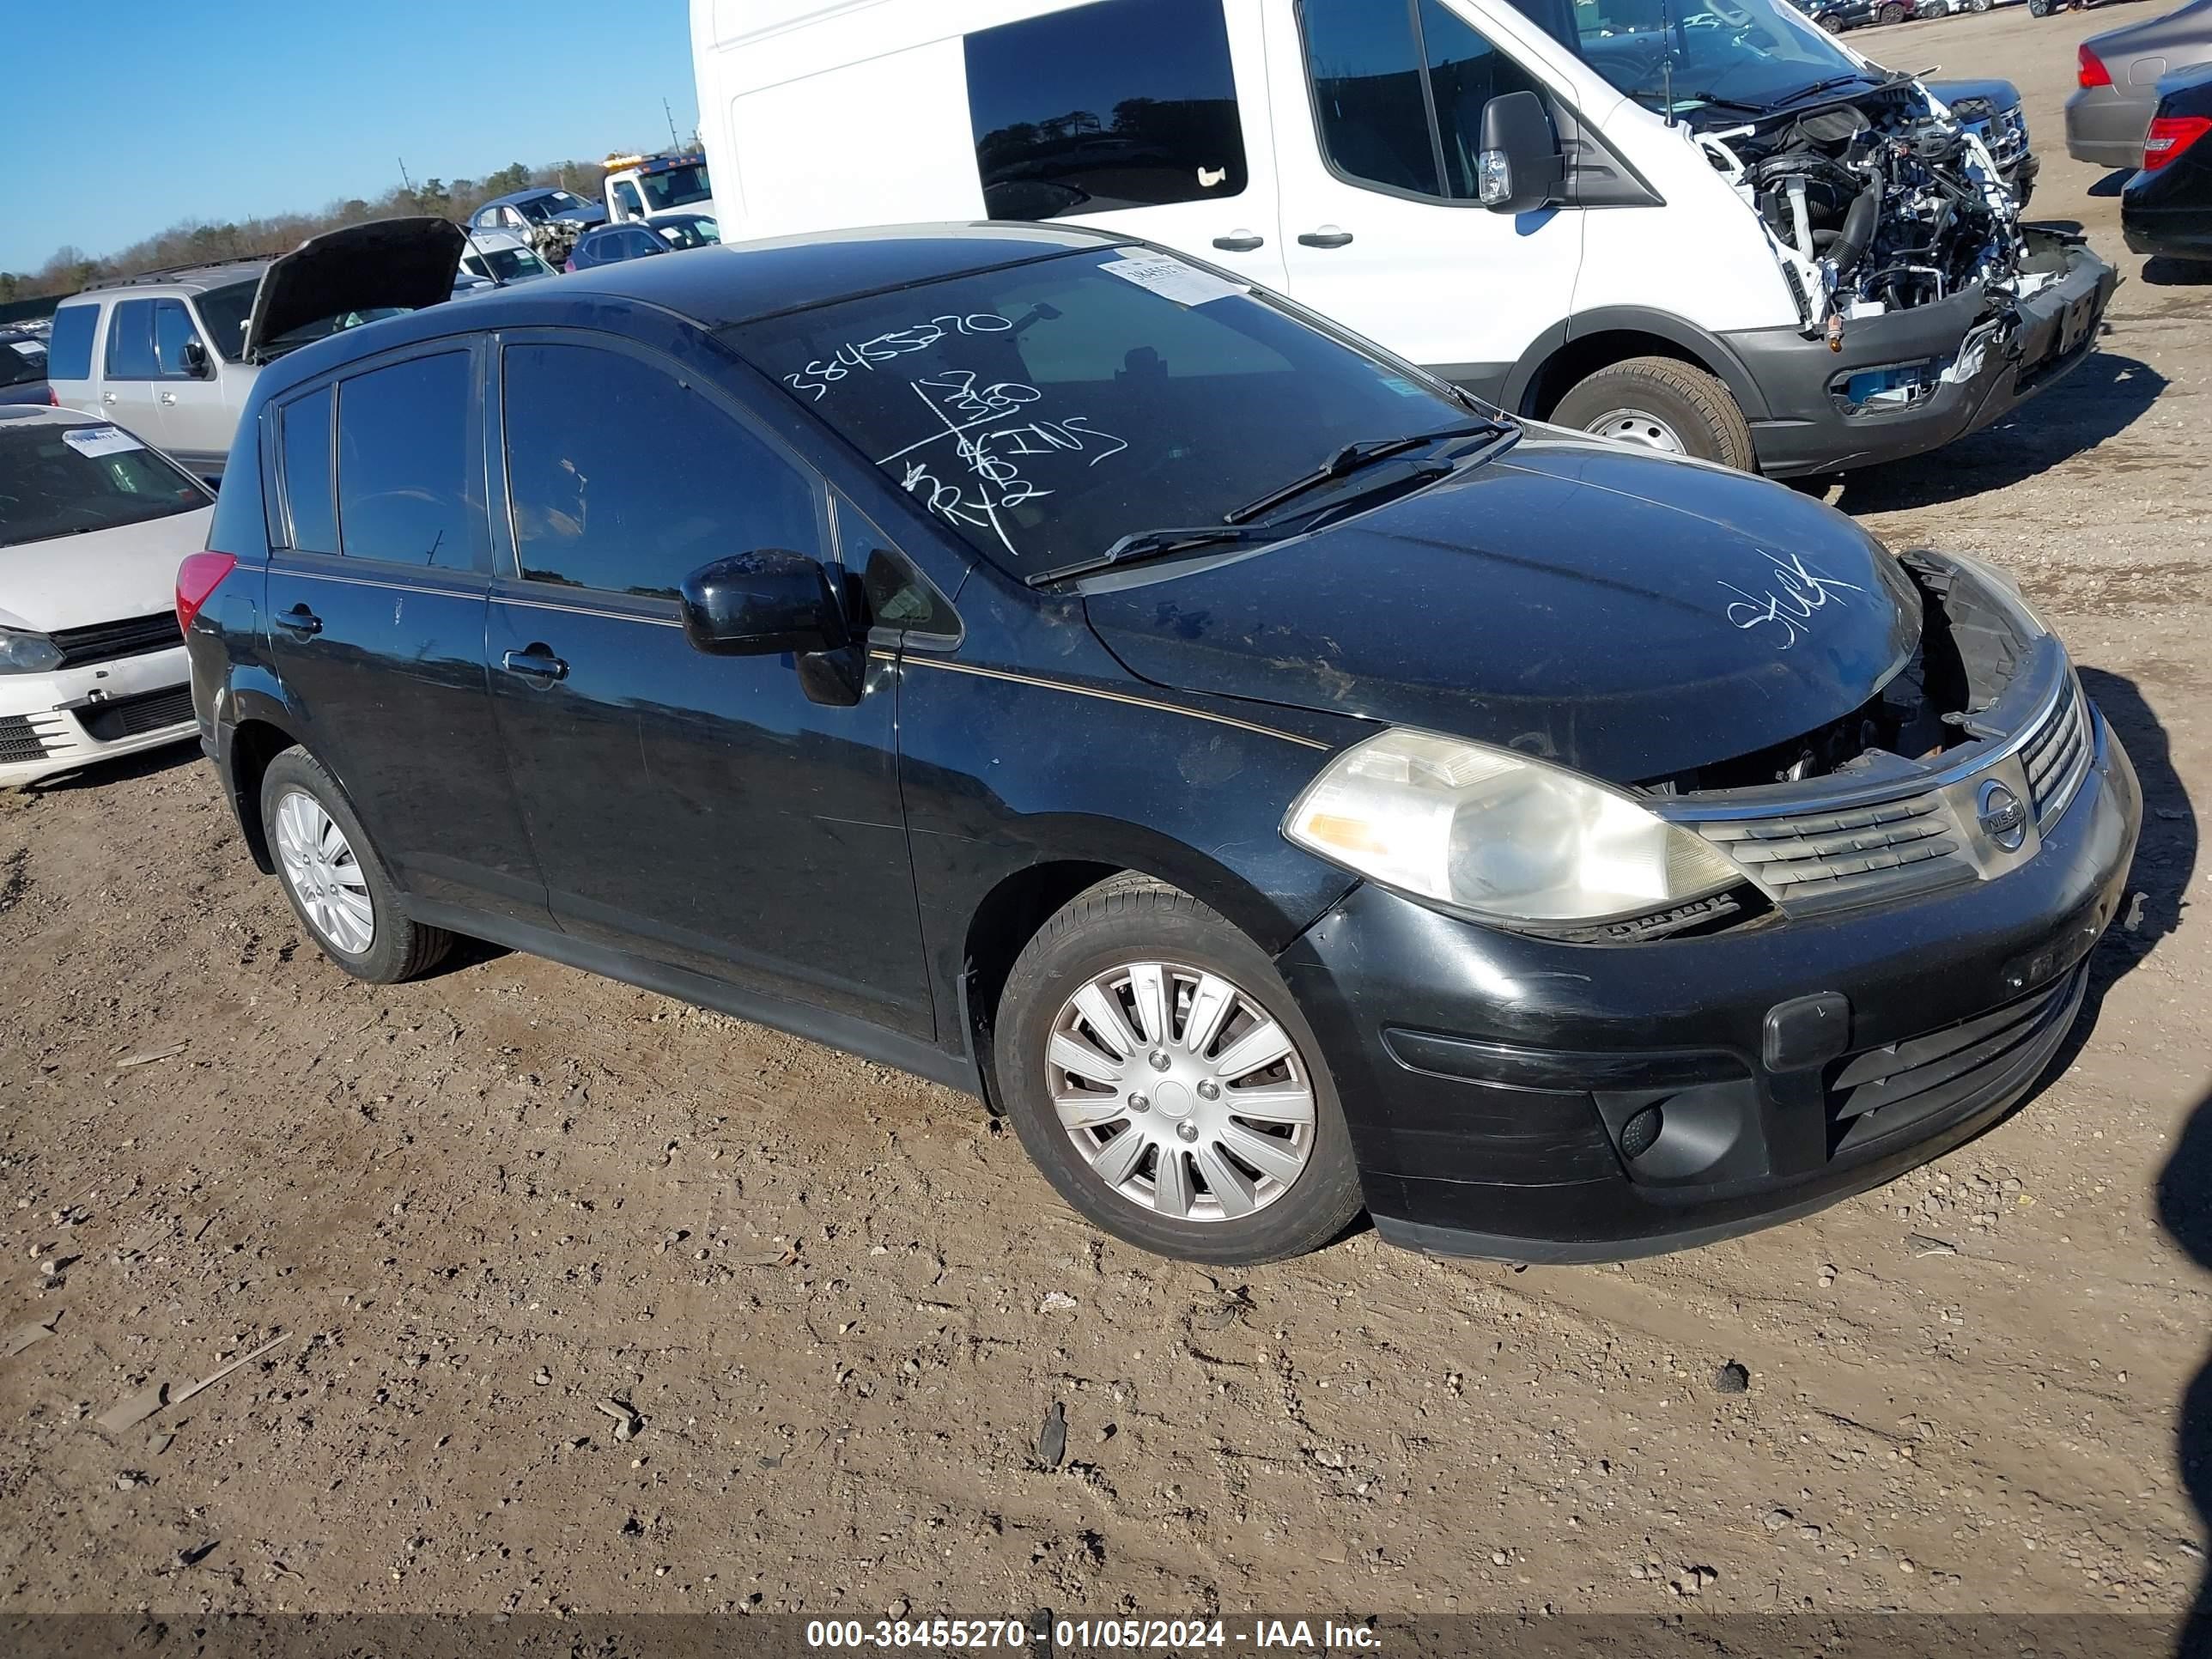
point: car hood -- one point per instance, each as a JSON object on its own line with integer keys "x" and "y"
{"x": 103, "y": 576}
{"x": 406, "y": 263}
{"x": 590, "y": 214}
{"x": 1999, "y": 95}
{"x": 1618, "y": 612}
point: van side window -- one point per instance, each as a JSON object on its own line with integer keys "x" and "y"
{"x": 402, "y": 464}
{"x": 622, "y": 478}
{"x": 69, "y": 350}
{"x": 1117, "y": 104}
{"x": 303, "y": 437}
{"x": 131, "y": 342}
{"x": 1399, "y": 92}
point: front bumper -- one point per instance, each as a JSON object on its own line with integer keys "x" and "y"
{"x": 1488, "y": 1078}
{"x": 2021, "y": 351}
{"x": 58, "y": 722}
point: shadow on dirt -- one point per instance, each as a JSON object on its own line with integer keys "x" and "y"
{"x": 2159, "y": 271}
{"x": 170, "y": 756}
{"x": 2098, "y": 400}
{"x": 2112, "y": 183}
{"x": 2184, "y": 1209}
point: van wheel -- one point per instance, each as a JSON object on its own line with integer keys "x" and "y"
{"x": 1664, "y": 405}
{"x": 339, "y": 889}
{"x": 1159, "y": 1074}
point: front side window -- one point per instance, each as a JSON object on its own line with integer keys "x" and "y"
{"x": 131, "y": 342}
{"x": 622, "y": 478}
{"x": 1399, "y": 91}
{"x": 304, "y": 438}
{"x": 1046, "y": 410}
{"x": 69, "y": 348}
{"x": 626, "y": 197}
{"x": 402, "y": 464}
{"x": 173, "y": 328}
{"x": 69, "y": 480}
{"x": 1116, "y": 104}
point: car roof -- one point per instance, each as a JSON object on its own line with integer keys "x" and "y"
{"x": 712, "y": 288}
{"x": 514, "y": 196}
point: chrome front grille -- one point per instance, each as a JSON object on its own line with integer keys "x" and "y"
{"x": 1843, "y": 855}
{"x": 2056, "y": 755}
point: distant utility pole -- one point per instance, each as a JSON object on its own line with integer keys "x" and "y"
{"x": 674, "y": 143}
{"x": 404, "y": 179}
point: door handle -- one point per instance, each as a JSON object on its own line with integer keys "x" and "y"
{"x": 108, "y": 397}
{"x": 300, "y": 620}
{"x": 537, "y": 663}
{"x": 1239, "y": 242}
{"x": 1327, "y": 236}
{"x": 169, "y": 397}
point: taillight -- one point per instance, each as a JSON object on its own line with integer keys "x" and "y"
{"x": 197, "y": 578}
{"x": 2089, "y": 69}
{"x": 2169, "y": 135}
{"x": 53, "y": 399}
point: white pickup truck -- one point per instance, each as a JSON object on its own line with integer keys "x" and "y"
{"x": 644, "y": 186}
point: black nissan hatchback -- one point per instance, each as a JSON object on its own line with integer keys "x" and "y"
{"x": 1280, "y": 783}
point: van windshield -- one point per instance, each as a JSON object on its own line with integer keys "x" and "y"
{"x": 1716, "y": 54}
{"x": 1048, "y": 409}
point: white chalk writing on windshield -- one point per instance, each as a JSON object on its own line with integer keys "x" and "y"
{"x": 1795, "y": 592}
{"x": 818, "y": 376}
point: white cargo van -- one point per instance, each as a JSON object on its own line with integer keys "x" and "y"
{"x": 1703, "y": 225}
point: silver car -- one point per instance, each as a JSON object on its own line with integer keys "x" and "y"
{"x": 2107, "y": 118}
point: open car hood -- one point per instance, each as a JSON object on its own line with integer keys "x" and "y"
{"x": 403, "y": 264}
{"x": 1619, "y": 611}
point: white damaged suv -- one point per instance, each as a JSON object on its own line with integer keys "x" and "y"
{"x": 93, "y": 526}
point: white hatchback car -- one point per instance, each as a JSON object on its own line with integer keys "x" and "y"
{"x": 93, "y": 526}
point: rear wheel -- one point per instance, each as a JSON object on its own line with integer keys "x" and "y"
{"x": 339, "y": 889}
{"x": 1159, "y": 1074}
{"x": 2039, "y": 7}
{"x": 1664, "y": 405}
{"x": 1894, "y": 13}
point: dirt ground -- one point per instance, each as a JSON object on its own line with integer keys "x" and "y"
{"x": 479, "y": 1207}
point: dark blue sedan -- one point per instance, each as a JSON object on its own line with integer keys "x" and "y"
{"x": 667, "y": 233}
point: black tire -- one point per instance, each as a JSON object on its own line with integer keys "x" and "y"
{"x": 1891, "y": 13}
{"x": 1693, "y": 405}
{"x": 2039, "y": 7}
{"x": 1131, "y": 918}
{"x": 400, "y": 947}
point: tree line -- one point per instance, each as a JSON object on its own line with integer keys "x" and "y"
{"x": 199, "y": 242}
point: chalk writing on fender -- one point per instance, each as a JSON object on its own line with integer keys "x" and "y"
{"x": 1794, "y": 592}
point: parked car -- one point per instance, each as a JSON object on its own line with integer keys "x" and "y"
{"x": 641, "y": 187}
{"x": 93, "y": 526}
{"x": 1276, "y": 780}
{"x": 2118, "y": 72}
{"x": 2167, "y": 207}
{"x": 1992, "y": 111}
{"x": 1697, "y": 312}
{"x": 671, "y": 232}
{"x": 172, "y": 354}
{"x": 499, "y": 257}
{"x": 23, "y": 368}
{"x": 521, "y": 210}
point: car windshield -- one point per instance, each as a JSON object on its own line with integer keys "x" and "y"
{"x": 1047, "y": 410}
{"x": 308, "y": 333}
{"x": 224, "y": 310}
{"x": 22, "y": 362}
{"x": 71, "y": 480}
{"x": 675, "y": 188}
{"x": 1709, "y": 53}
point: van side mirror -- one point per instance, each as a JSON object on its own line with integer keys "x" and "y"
{"x": 761, "y": 604}
{"x": 196, "y": 359}
{"x": 1519, "y": 167}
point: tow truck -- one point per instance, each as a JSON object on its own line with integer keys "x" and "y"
{"x": 643, "y": 187}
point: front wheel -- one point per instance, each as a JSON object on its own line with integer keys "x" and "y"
{"x": 1664, "y": 405}
{"x": 1894, "y": 13}
{"x": 2039, "y": 7}
{"x": 1159, "y": 1074}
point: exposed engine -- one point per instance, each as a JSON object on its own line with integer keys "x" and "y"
{"x": 1876, "y": 204}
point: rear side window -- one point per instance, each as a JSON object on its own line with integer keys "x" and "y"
{"x": 1117, "y": 104}
{"x": 69, "y": 350}
{"x": 624, "y": 479}
{"x": 19, "y": 364}
{"x": 131, "y": 342}
{"x": 402, "y": 464}
{"x": 303, "y": 438}
{"x": 1399, "y": 91}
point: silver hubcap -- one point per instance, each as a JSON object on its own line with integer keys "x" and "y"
{"x": 1183, "y": 1093}
{"x": 323, "y": 873}
{"x": 1638, "y": 426}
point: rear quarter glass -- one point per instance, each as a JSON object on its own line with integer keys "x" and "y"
{"x": 241, "y": 524}
{"x": 68, "y": 352}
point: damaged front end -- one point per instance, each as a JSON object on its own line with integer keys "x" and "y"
{"x": 1951, "y": 773}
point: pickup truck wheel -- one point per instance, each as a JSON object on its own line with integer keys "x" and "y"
{"x": 1161, "y": 1077}
{"x": 1664, "y": 405}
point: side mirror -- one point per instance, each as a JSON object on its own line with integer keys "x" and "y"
{"x": 196, "y": 359}
{"x": 1519, "y": 167}
{"x": 761, "y": 603}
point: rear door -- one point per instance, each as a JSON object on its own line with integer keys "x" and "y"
{"x": 1144, "y": 118}
{"x": 129, "y": 372}
{"x": 376, "y": 602}
{"x": 699, "y": 810}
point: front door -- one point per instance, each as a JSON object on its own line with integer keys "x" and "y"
{"x": 1144, "y": 118}
{"x": 1378, "y": 118}
{"x": 196, "y": 424}
{"x": 376, "y": 622}
{"x": 699, "y": 810}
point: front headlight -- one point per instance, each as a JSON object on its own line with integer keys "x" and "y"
{"x": 26, "y": 654}
{"x": 1497, "y": 835}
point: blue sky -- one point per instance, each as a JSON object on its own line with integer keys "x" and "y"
{"x": 126, "y": 115}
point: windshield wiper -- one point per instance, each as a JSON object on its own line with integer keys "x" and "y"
{"x": 1714, "y": 101}
{"x": 1157, "y": 544}
{"x": 1349, "y": 460}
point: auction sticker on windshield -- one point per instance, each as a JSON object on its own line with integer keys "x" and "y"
{"x": 96, "y": 441}
{"x": 1184, "y": 284}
